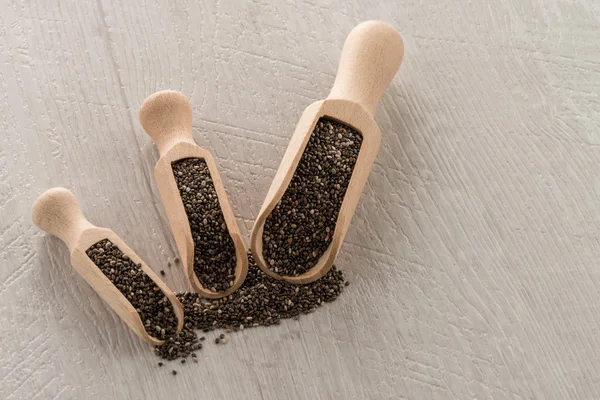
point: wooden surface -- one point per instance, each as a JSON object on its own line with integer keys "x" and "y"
{"x": 473, "y": 253}
{"x": 370, "y": 58}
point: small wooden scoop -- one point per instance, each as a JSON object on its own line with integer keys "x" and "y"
{"x": 167, "y": 118}
{"x": 370, "y": 58}
{"x": 57, "y": 212}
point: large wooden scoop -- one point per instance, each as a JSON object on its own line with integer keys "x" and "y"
{"x": 57, "y": 212}
{"x": 167, "y": 118}
{"x": 370, "y": 58}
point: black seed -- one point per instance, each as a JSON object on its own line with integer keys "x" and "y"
{"x": 260, "y": 301}
{"x": 136, "y": 286}
{"x": 174, "y": 372}
{"x": 162, "y": 272}
{"x": 300, "y": 228}
{"x": 221, "y": 336}
{"x": 183, "y": 361}
{"x": 176, "y": 260}
{"x": 214, "y": 250}
{"x": 160, "y": 364}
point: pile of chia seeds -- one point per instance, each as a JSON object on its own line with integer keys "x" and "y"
{"x": 214, "y": 250}
{"x": 260, "y": 301}
{"x": 300, "y": 228}
{"x": 155, "y": 310}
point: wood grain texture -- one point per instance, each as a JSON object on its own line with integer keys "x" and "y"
{"x": 473, "y": 253}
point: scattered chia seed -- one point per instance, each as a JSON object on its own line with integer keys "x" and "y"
{"x": 176, "y": 260}
{"x": 154, "y": 309}
{"x": 162, "y": 272}
{"x": 174, "y": 372}
{"x": 300, "y": 228}
{"x": 160, "y": 364}
{"x": 183, "y": 361}
{"x": 214, "y": 250}
{"x": 179, "y": 345}
{"x": 260, "y": 301}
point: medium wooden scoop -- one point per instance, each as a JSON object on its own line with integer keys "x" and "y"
{"x": 370, "y": 58}
{"x": 167, "y": 118}
{"x": 57, "y": 212}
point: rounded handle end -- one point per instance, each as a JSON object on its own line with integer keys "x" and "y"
{"x": 371, "y": 56}
{"x": 57, "y": 212}
{"x": 166, "y": 116}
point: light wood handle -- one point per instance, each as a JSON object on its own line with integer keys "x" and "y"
{"x": 167, "y": 118}
{"x": 57, "y": 212}
{"x": 370, "y": 58}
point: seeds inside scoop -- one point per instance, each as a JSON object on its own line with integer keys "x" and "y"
{"x": 154, "y": 309}
{"x": 214, "y": 250}
{"x": 300, "y": 228}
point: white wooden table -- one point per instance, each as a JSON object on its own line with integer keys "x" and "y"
{"x": 474, "y": 254}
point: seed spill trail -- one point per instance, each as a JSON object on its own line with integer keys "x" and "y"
{"x": 214, "y": 250}
{"x": 155, "y": 310}
{"x": 260, "y": 301}
{"x": 300, "y": 228}
{"x": 180, "y": 345}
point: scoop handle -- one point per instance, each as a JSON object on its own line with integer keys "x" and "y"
{"x": 370, "y": 58}
{"x": 56, "y": 211}
{"x": 166, "y": 116}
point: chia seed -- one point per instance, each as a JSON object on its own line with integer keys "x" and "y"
{"x": 214, "y": 250}
{"x": 154, "y": 309}
{"x": 260, "y": 301}
{"x": 300, "y": 228}
{"x": 180, "y": 345}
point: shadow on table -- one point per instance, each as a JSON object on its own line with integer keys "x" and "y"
{"x": 376, "y": 235}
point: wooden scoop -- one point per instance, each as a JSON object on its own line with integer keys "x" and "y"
{"x": 167, "y": 117}
{"x": 370, "y": 58}
{"x": 57, "y": 212}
